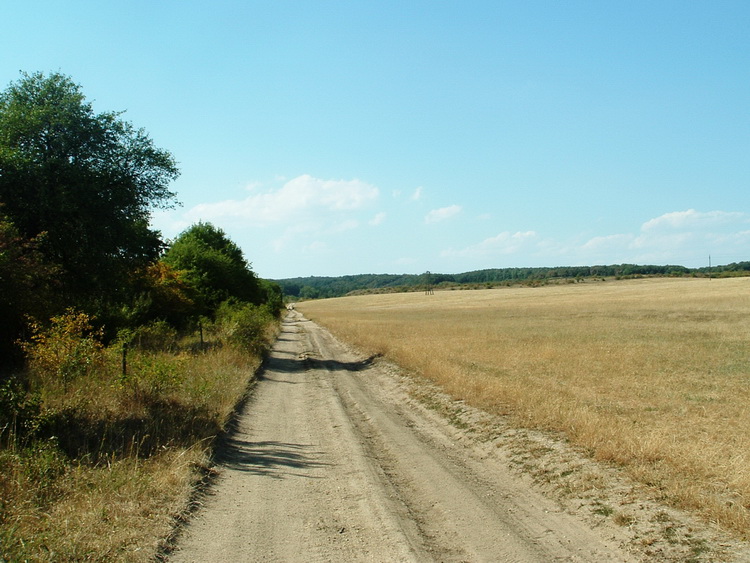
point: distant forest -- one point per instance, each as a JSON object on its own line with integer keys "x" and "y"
{"x": 317, "y": 287}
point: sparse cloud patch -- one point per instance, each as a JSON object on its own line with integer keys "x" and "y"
{"x": 298, "y": 198}
{"x": 316, "y": 247}
{"x": 302, "y": 209}
{"x": 680, "y": 237}
{"x": 344, "y": 226}
{"x": 676, "y": 237}
{"x": 377, "y": 220}
{"x": 692, "y": 219}
{"x": 437, "y": 215}
{"x": 607, "y": 243}
{"x": 501, "y": 244}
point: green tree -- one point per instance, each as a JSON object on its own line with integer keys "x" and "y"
{"x": 88, "y": 180}
{"x": 214, "y": 266}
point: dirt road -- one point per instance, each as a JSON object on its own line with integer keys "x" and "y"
{"x": 333, "y": 461}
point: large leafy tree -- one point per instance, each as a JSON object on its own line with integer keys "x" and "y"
{"x": 215, "y": 266}
{"x": 87, "y": 180}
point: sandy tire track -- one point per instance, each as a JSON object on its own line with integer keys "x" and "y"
{"x": 332, "y": 462}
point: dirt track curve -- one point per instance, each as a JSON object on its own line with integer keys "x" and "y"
{"x": 332, "y": 461}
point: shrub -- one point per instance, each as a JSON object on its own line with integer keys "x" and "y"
{"x": 243, "y": 325}
{"x": 69, "y": 349}
{"x": 155, "y": 336}
{"x": 153, "y": 375}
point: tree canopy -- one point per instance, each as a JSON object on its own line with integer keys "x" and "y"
{"x": 87, "y": 180}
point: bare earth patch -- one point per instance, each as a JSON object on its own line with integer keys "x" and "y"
{"x": 338, "y": 457}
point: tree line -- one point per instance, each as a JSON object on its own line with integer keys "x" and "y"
{"x": 77, "y": 189}
{"x": 317, "y": 287}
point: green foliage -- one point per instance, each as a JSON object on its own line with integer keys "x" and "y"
{"x": 214, "y": 266}
{"x": 87, "y": 180}
{"x": 43, "y": 463}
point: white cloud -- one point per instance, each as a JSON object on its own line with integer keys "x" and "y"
{"x": 503, "y": 243}
{"x": 739, "y": 239}
{"x": 679, "y": 237}
{"x": 290, "y": 233}
{"x": 437, "y": 215}
{"x": 348, "y": 225}
{"x": 315, "y": 247}
{"x": 378, "y": 219}
{"x": 608, "y": 242}
{"x": 683, "y": 233}
{"x": 417, "y": 194}
{"x": 303, "y": 196}
{"x": 692, "y": 219}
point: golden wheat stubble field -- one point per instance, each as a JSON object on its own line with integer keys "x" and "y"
{"x": 651, "y": 374}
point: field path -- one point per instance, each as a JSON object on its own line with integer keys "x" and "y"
{"x": 331, "y": 461}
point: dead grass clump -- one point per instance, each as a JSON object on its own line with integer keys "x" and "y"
{"x": 649, "y": 374}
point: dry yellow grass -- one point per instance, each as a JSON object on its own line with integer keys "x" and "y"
{"x": 123, "y": 506}
{"x": 651, "y": 374}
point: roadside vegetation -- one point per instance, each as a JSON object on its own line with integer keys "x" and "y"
{"x": 650, "y": 375}
{"x": 122, "y": 356}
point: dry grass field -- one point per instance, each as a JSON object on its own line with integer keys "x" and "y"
{"x": 651, "y": 374}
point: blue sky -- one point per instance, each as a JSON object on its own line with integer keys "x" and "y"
{"x": 346, "y": 137}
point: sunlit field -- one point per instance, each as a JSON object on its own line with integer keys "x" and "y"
{"x": 652, "y": 374}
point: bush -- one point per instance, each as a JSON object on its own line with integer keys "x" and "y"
{"x": 157, "y": 336}
{"x": 244, "y": 325}
{"x": 69, "y": 349}
{"x": 153, "y": 375}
